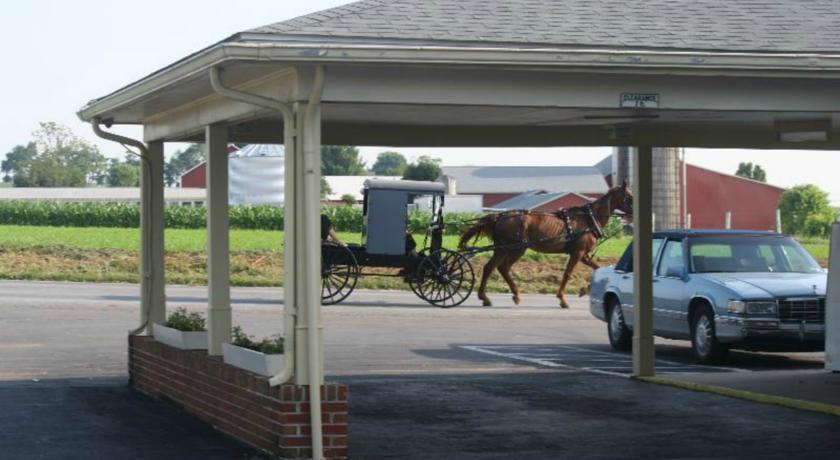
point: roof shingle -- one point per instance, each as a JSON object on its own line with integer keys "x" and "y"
{"x": 714, "y": 25}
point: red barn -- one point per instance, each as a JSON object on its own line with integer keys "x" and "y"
{"x": 195, "y": 177}
{"x": 712, "y": 194}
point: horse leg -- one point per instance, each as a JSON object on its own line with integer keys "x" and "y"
{"x": 587, "y": 260}
{"x": 491, "y": 265}
{"x": 574, "y": 258}
{"x": 504, "y": 269}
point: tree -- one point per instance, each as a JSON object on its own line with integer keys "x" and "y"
{"x": 326, "y": 190}
{"x": 751, "y": 171}
{"x": 17, "y": 161}
{"x": 337, "y": 160}
{"x": 390, "y": 164}
{"x": 424, "y": 169}
{"x": 806, "y": 211}
{"x": 124, "y": 173}
{"x": 348, "y": 199}
{"x": 181, "y": 162}
{"x": 61, "y": 160}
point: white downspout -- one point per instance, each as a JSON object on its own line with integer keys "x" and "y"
{"x": 147, "y": 202}
{"x": 289, "y": 134}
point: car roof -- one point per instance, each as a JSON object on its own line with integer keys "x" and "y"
{"x": 682, "y": 233}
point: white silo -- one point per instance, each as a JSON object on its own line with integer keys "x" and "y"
{"x": 257, "y": 175}
{"x": 666, "y": 171}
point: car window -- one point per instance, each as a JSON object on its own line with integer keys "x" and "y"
{"x": 626, "y": 262}
{"x": 672, "y": 257}
{"x": 749, "y": 253}
{"x": 798, "y": 261}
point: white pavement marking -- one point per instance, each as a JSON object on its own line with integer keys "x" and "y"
{"x": 542, "y": 356}
{"x": 538, "y": 361}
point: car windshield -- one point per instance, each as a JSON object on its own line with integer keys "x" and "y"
{"x": 738, "y": 254}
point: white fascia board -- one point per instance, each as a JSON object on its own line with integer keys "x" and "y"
{"x": 628, "y": 61}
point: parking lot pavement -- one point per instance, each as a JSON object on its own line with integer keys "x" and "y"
{"x": 102, "y": 419}
{"x": 567, "y": 414}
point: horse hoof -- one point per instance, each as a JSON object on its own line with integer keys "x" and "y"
{"x": 486, "y": 303}
{"x": 516, "y": 300}
{"x": 564, "y": 305}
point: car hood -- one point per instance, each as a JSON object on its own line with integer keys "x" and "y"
{"x": 764, "y": 285}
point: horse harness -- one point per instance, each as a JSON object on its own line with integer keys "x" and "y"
{"x": 593, "y": 226}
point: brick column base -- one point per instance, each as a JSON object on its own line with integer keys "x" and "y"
{"x": 237, "y": 402}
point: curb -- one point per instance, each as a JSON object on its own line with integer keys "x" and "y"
{"x": 791, "y": 403}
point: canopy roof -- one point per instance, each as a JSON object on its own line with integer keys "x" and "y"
{"x": 742, "y": 25}
{"x": 699, "y": 73}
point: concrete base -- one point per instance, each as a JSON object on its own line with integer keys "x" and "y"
{"x": 237, "y": 402}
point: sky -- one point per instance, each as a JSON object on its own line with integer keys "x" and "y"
{"x": 60, "y": 54}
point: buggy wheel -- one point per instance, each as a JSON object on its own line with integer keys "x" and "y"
{"x": 443, "y": 278}
{"x": 339, "y": 273}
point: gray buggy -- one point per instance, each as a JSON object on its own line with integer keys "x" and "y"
{"x": 439, "y": 276}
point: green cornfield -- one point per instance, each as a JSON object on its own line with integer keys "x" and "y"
{"x": 122, "y": 215}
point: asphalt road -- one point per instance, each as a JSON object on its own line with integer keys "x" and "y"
{"x": 68, "y": 330}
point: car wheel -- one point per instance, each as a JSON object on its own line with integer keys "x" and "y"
{"x": 620, "y": 336}
{"x": 704, "y": 343}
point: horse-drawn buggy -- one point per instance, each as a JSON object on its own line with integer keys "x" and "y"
{"x": 443, "y": 277}
{"x": 437, "y": 275}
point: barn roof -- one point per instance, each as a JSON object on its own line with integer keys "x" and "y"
{"x": 530, "y": 200}
{"x": 742, "y": 25}
{"x": 518, "y": 179}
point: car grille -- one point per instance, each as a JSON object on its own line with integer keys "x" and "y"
{"x": 798, "y": 310}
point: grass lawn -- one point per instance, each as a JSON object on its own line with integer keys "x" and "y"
{"x": 111, "y": 255}
{"x": 177, "y": 240}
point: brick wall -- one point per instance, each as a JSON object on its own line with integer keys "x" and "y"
{"x": 237, "y": 402}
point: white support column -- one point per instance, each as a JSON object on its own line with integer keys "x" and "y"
{"x": 218, "y": 245}
{"x": 308, "y": 244}
{"x": 152, "y": 285}
{"x": 643, "y": 344}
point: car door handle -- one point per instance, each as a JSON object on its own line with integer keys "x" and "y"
{"x": 625, "y": 277}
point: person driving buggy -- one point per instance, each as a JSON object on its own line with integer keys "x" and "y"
{"x": 328, "y": 232}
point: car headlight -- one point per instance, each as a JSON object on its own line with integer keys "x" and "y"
{"x": 751, "y": 308}
{"x": 761, "y": 308}
{"x": 736, "y": 306}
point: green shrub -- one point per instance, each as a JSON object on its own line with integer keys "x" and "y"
{"x": 806, "y": 210}
{"x": 271, "y": 346}
{"x": 182, "y": 320}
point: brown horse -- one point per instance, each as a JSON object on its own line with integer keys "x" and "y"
{"x": 515, "y": 232}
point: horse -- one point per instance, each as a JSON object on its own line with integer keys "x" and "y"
{"x": 573, "y": 231}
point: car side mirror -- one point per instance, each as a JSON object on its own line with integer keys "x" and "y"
{"x": 675, "y": 272}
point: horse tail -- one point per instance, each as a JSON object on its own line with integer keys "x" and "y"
{"x": 484, "y": 227}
